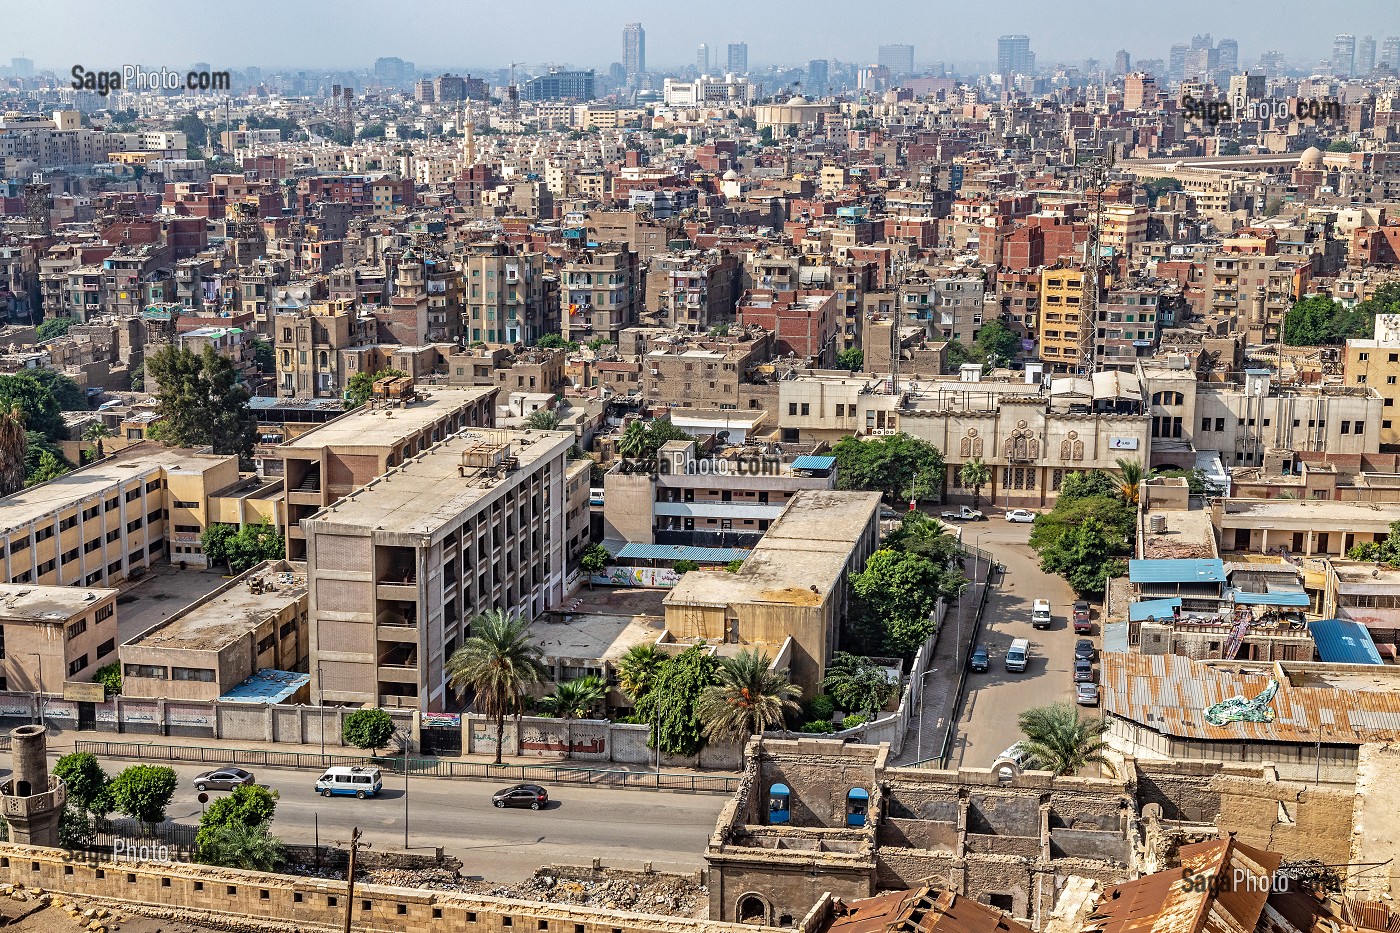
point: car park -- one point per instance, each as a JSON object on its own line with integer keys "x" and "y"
{"x": 1024, "y": 516}
{"x": 980, "y": 660}
{"x": 223, "y": 779}
{"x": 1083, "y": 670}
{"x": 521, "y": 795}
{"x": 1084, "y": 650}
{"x": 1086, "y": 693}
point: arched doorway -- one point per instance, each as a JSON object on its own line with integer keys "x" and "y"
{"x": 753, "y": 909}
{"x": 779, "y": 811}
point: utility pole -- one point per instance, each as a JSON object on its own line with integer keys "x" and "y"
{"x": 407, "y": 741}
{"x": 350, "y": 876}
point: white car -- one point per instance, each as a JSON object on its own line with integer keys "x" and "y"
{"x": 1020, "y": 515}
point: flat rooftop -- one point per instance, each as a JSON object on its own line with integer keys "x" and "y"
{"x": 429, "y": 490}
{"x": 35, "y": 502}
{"x": 1188, "y": 533}
{"x": 24, "y": 603}
{"x": 592, "y": 636}
{"x": 799, "y": 559}
{"x": 386, "y": 426}
{"x": 1321, "y": 514}
{"x": 231, "y": 611}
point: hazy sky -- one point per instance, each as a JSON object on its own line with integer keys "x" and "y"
{"x": 352, "y": 33}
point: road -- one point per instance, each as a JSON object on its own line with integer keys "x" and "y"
{"x": 994, "y": 700}
{"x": 579, "y": 825}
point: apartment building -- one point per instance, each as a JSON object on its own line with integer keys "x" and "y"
{"x": 399, "y": 567}
{"x": 600, "y": 293}
{"x": 805, "y": 324}
{"x": 1061, "y": 292}
{"x": 254, "y": 623}
{"x": 715, "y": 372}
{"x": 505, "y": 294}
{"x": 956, "y": 307}
{"x": 52, "y": 635}
{"x": 1129, "y": 327}
{"x": 1258, "y": 286}
{"x": 692, "y": 290}
{"x": 1122, "y": 225}
{"x": 308, "y": 344}
{"x": 329, "y": 462}
{"x": 722, "y": 501}
{"x": 1375, "y": 363}
{"x": 104, "y": 523}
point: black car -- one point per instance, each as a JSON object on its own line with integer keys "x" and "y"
{"x": 980, "y": 659}
{"x": 223, "y": 779}
{"x": 1083, "y": 671}
{"x": 1084, "y": 650}
{"x": 521, "y": 795}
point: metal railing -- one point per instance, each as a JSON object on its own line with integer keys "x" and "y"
{"x": 420, "y": 767}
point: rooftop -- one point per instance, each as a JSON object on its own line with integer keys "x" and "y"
{"x": 25, "y": 603}
{"x": 230, "y": 612}
{"x": 382, "y": 427}
{"x": 594, "y": 637}
{"x": 1321, "y": 514}
{"x": 1186, "y": 533}
{"x": 267, "y": 686}
{"x": 1171, "y": 570}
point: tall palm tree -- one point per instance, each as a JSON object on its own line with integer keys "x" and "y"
{"x": 750, "y": 698}
{"x": 1062, "y": 742}
{"x": 1130, "y": 474}
{"x": 636, "y": 670}
{"x": 633, "y": 443}
{"x": 975, "y": 473}
{"x": 14, "y": 446}
{"x": 575, "y": 699}
{"x": 498, "y": 663}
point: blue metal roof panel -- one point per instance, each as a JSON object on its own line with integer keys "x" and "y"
{"x": 1342, "y": 641}
{"x": 1277, "y": 598}
{"x": 1153, "y": 609}
{"x": 1169, "y": 570}
{"x": 267, "y": 686}
{"x": 1115, "y": 636}
{"x": 809, "y": 462}
{"x": 701, "y": 555}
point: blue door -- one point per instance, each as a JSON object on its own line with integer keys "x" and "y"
{"x": 857, "y": 805}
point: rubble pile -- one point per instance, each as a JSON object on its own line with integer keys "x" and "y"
{"x": 651, "y": 894}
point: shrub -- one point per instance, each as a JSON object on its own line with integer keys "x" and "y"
{"x": 817, "y": 725}
{"x": 821, "y": 707}
{"x": 853, "y": 720}
{"x": 370, "y": 729}
{"x": 110, "y": 677}
{"x": 143, "y": 792}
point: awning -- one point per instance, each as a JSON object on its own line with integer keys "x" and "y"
{"x": 1153, "y": 609}
{"x": 1284, "y": 598}
{"x": 701, "y": 555}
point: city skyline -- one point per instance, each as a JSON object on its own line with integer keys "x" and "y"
{"x": 436, "y": 34}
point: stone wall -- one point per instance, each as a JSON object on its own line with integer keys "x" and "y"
{"x": 1182, "y": 789}
{"x": 591, "y": 740}
{"x": 1297, "y": 820}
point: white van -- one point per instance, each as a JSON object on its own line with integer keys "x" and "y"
{"x": 1040, "y": 613}
{"x": 1018, "y": 654}
{"x": 362, "y": 782}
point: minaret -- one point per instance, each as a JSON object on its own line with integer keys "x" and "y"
{"x": 31, "y": 800}
{"x": 469, "y": 140}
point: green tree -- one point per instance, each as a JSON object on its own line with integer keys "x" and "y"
{"x": 1196, "y": 481}
{"x": 87, "y": 785}
{"x": 897, "y": 594}
{"x": 1319, "y": 321}
{"x": 577, "y": 698}
{"x": 555, "y": 342}
{"x": 196, "y": 130}
{"x": 498, "y": 663}
{"x": 975, "y": 473}
{"x": 919, "y": 533}
{"x": 996, "y": 341}
{"x": 65, "y": 391}
{"x": 216, "y": 543}
{"x": 50, "y": 467}
{"x": 956, "y": 354}
{"x": 360, "y": 386}
{"x": 1085, "y": 556}
{"x": 685, "y": 566}
{"x": 735, "y": 565}
{"x": 1084, "y": 485}
{"x": 637, "y": 669}
{"x": 235, "y": 845}
{"x": 594, "y": 561}
{"x": 1062, "y": 742}
{"x": 110, "y": 677}
{"x": 242, "y": 548}
{"x": 1130, "y": 477}
{"x": 633, "y": 443}
{"x": 890, "y": 465}
{"x": 264, "y": 356}
{"x": 542, "y": 419}
{"x": 1341, "y": 145}
{"x": 858, "y": 683}
{"x": 1115, "y": 515}
{"x": 54, "y": 327}
{"x": 852, "y": 358}
{"x": 138, "y": 377}
{"x": 1385, "y": 551}
{"x": 95, "y": 433}
{"x": 749, "y": 699}
{"x": 143, "y": 792}
{"x": 367, "y": 728}
{"x": 39, "y": 404}
{"x": 201, "y": 402}
{"x": 248, "y": 805}
{"x": 659, "y": 432}
{"x": 670, "y": 705}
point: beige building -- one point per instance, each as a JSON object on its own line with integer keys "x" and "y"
{"x": 399, "y": 567}
{"x": 52, "y": 635}
{"x": 308, "y": 345}
{"x": 504, "y": 294}
{"x": 1375, "y": 364}
{"x": 1061, "y": 292}
{"x": 790, "y": 597}
{"x": 254, "y": 623}
{"x": 344, "y": 454}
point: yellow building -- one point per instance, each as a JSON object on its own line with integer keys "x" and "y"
{"x": 1061, "y": 291}
{"x": 1375, "y": 364}
{"x": 1124, "y": 225}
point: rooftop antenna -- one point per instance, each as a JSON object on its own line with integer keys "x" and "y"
{"x": 1095, "y": 182}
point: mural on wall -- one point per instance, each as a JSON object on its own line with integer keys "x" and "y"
{"x": 539, "y": 740}
{"x": 637, "y": 576}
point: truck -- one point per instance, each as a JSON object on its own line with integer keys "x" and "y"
{"x": 963, "y": 514}
{"x": 1040, "y": 613}
{"x": 1017, "y": 655}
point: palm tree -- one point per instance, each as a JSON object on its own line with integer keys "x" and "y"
{"x": 96, "y": 432}
{"x": 575, "y": 699}
{"x": 1130, "y": 474}
{"x": 975, "y": 473}
{"x": 633, "y": 443}
{"x": 498, "y": 663}
{"x": 238, "y": 845}
{"x": 14, "y": 445}
{"x": 749, "y": 699}
{"x": 636, "y": 670}
{"x": 1061, "y": 741}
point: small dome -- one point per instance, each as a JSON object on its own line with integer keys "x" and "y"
{"x": 730, "y": 175}
{"x": 797, "y": 101}
{"x": 1312, "y": 158}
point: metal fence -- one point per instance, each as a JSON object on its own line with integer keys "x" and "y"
{"x": 424, "y": 767}
{"x": 964, "y": 654}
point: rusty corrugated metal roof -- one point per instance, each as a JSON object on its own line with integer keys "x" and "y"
{"x": 1170, "y": 694}
{"x": 919, "y": 911}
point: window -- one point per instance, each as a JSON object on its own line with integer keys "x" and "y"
{"x": 132, "y": 495}
{"x": 1363, "y": 356}
{"x": 1346, "y": 427}
{"x": 70, "y": 556}
{"x": 266, "y": 643}
{"x": 77, "y": 628}
{"x": 19, "y": 544}
{"x": 806, "y": 408}
{"x": 153, "y": 671}
{"x": 1358, "y": 427}
{"x": 107, "y": 647}
{"x": 181, "y": 504}
{"x": 43, "y": 534}
{"x": 203, "y": 675}
{"x": 110, "y": 504}
{"x": 66, "y": 523}
{"x": 792, "y": 408}
{"x": 153, "y": 485}
{"x": 1205, "y": 424}
{"x": 77, "y": 664}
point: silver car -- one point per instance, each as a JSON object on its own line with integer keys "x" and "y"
{"x": 1086, "y": 694}
{"x": 223, "y": 779}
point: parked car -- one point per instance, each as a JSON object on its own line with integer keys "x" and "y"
{"x": 963, "y": 514}
{"x": 980, "y": 659}
{"x": 521, "y": 795}
{"x": 1086, "y": 694}
{"x": 1082, "y": 625}
{"x": 1084, "y": 650}
{"x": 1083, "y": 670}
{"x": 888, "y": 514}
{"x": 223, "y": 779}
{"x": 1010, "y": 763}
{"x": 1024, "y": 516}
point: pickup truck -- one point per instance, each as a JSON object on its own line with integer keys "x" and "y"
{"x": 963, "y": 514}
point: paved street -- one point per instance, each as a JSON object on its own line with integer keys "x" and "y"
{"x": 580, "y": 824}
{"x": 987, "y": 724}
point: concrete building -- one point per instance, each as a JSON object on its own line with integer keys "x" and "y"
{"x": 693, "y": 290}
{"x": 506, "y": 298}
{"x": 790, "y": 597}
{"x": 1061, "y": 292}
{"x": 329, "y": 462}
{"x": 308, "y": 344}
{"x": 254, "y": 623}
{"x": 1129, "y": 327}
{"x": 1375, "y": 363}
{"x": 399, "y": 567}
{"x": 52, "y": 635}
{"x": 600, "y": 293}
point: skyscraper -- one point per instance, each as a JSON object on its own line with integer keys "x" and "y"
{"x": 1228, "y": 55}
{"x": 389, "y": 71}
{"x": 1202, "y": 41}
{"x": 817, "y": 78}
{"x": 1273, "y": 64}
{"x": 702, "y": 59}
{"x": 22, "y": 67}
{"x": 1365, "y": 55}
{"x": 1122, "y": 62}
{"x": 1390, "y": 52}
{"x": 1014, "y": 55}
{"x": 899, "y": 59}
{"x": 738, "y": 59}
{"x": 1176, "y": 63}
{"x": 1200, "y": 63}
{"x": 1344, "y": 55}
{"x": 634, "y": 51}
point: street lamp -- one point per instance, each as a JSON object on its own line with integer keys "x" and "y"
{"x": 321, "y": 709}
